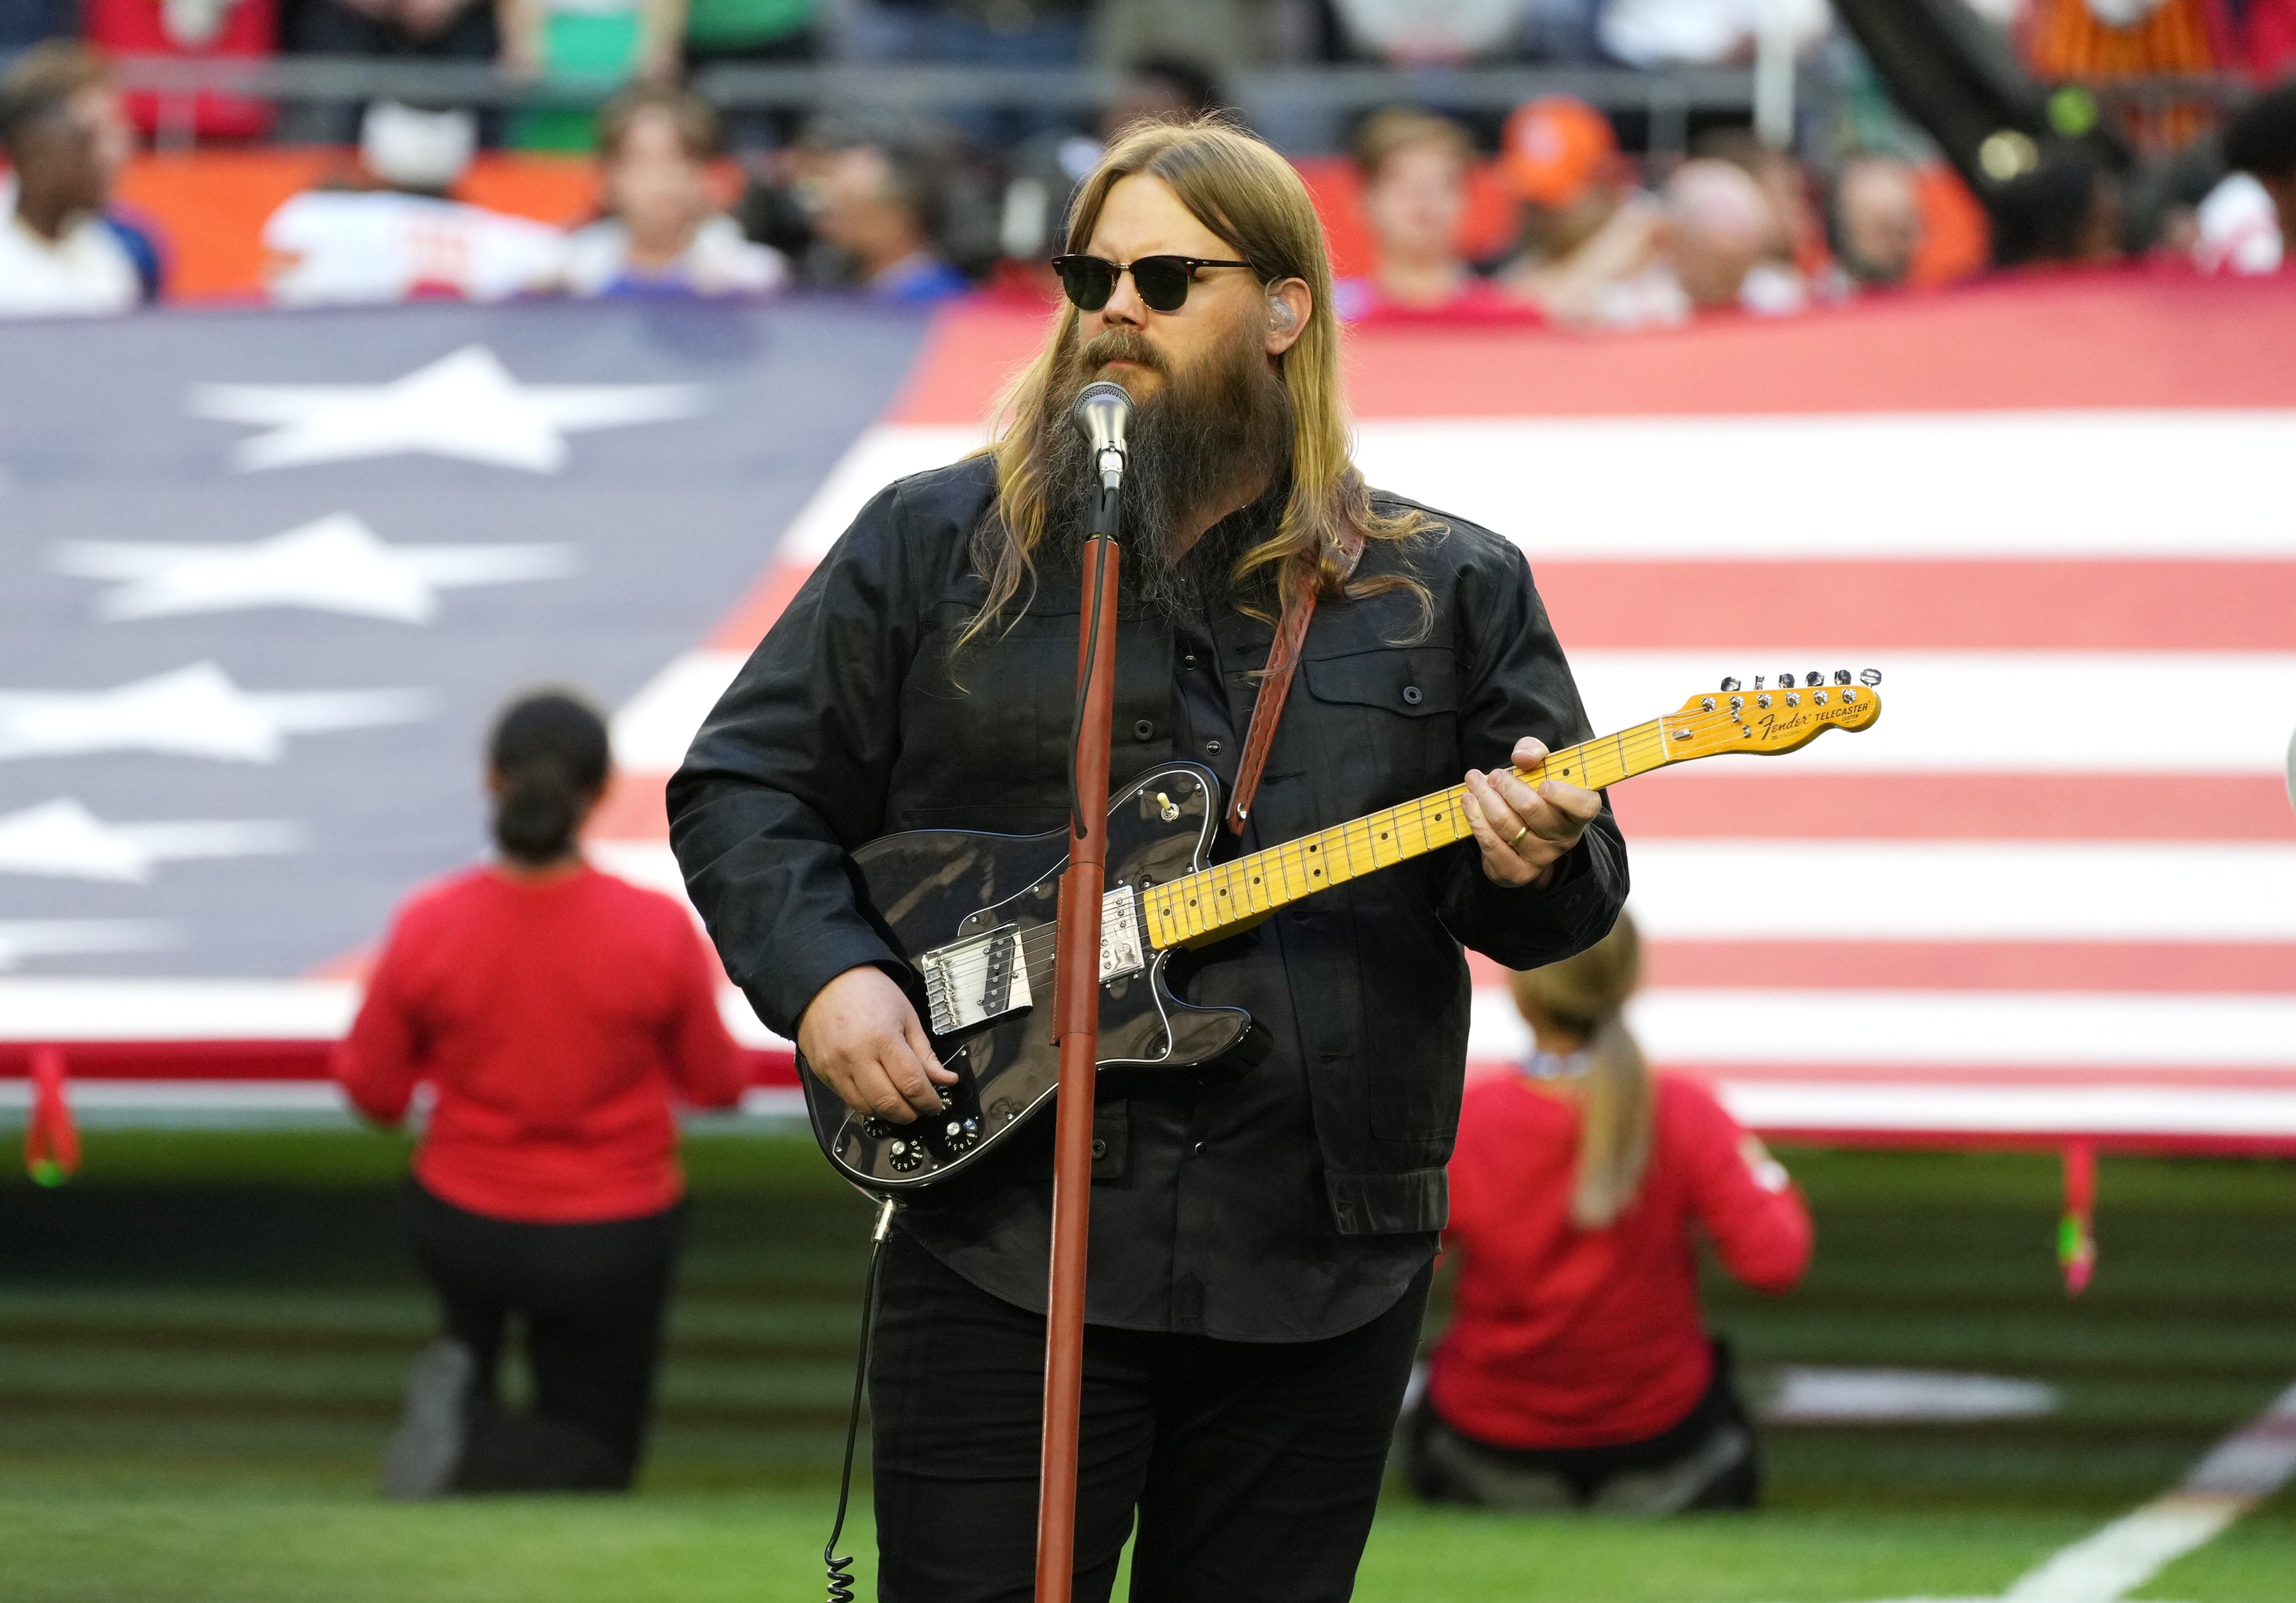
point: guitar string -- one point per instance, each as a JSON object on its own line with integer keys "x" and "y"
{"x": 1290, "y": 857}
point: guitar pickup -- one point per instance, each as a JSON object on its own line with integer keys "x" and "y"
{"x": 1120, "y": 935}
{"x": 973, "y": 980}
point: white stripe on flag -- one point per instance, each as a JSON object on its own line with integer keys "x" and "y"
{"x": 1897, "y": 891}
{"x": 1855, "y": 1107}
{"x": 68, "y": 1010}
{"x": 1869, "y": 889}
{"x": 1952, "y": 711}
{"x": 2177, "y": 484}
{"x": 2096, "y": 713}
{"x": 1718, "y": 1027}
{"x": 654, "y": 727}
{"x": 884, "y": 453}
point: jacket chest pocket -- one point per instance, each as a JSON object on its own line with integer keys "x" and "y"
{"x": 990, "y": 727}
{"x": 1386, "y": 725}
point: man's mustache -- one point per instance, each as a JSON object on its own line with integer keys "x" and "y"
{"x": 1122, "y": 345}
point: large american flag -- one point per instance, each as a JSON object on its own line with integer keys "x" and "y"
{"x": 2051, "y": 896}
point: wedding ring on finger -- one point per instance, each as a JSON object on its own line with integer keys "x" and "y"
{"x": 1515, "y": 839}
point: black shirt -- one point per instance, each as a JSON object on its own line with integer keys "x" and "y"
{"x": 1286, "y": 1200}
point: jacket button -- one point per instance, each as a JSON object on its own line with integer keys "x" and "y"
{"x": 1099, "y": 1149}
{"x": 1411, "y": 695}
{"x": 1144, "y": 730}
{"x": 1211, "y": 748}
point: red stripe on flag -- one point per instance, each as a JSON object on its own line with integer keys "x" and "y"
{"x": 2101, "y": 965}
{"x": 2055, "y": 1076}
{"x": 633, "y": 808}
{"x": 2254, "y": 967}
{"x": 1708, "y": 802}
{"x": 2069, "y": 339}
{"x": 1967, "y": 605}
{"x": 1713, "y": 799}
{"x": 765, "y": 601}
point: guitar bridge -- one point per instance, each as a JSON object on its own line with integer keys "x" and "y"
{"x": 973, "y": 980}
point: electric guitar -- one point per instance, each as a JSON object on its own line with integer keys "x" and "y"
{"x": 974, "y": 913}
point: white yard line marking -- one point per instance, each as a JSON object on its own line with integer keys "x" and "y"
{"x": 2239, "y": 1472}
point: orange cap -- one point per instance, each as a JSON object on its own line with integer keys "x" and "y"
{"x": 1555, "y": 148}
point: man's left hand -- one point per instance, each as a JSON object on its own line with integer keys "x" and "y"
{"x": 1522, "y": 830}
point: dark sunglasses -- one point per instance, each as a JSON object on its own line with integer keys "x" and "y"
{"x": 1162, "y": 280}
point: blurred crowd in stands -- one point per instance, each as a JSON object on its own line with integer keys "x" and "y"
{"x": 1543, "y": 215}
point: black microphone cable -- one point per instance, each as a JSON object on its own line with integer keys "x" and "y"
{"x": 840, "y": 1569}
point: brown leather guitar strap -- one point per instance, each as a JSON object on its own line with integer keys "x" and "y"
{"x": 1276, "y": 685}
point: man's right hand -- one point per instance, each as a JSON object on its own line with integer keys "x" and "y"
{"x": 863, "y": 1040}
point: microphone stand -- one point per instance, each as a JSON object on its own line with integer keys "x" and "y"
{"x": 1076, "y": 1025}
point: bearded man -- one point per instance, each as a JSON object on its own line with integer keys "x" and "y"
{"x": 1262, "y": 1231}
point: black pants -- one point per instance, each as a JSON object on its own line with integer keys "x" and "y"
{"x": 1705, "y": 1460}
{"x": 590, "y": 1299}
{"x": 1254, "y": 1468}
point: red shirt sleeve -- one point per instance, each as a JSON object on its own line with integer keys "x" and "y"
{"x": 378, "y": 1064}
{"x": 1749, "y": 1205}
{"x": 705, "y": 1061}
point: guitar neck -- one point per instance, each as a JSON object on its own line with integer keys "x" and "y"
{"x": 1200, "y": 905}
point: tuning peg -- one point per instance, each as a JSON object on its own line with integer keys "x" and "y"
{"x": 1841, "y": 676}
{"x": 1814, "y": 679}
{"x": 1785, "y": 681}
{"x": 1729, "y": 685}
{"x": 1871, "y": 676}
{"x": 1758, "y": 681}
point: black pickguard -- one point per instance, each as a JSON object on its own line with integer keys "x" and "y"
{"x": 929, "y": 887}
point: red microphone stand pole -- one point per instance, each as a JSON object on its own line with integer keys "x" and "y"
{"x": 1076, "y": 1025}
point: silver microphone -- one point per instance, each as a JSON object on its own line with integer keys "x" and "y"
{"x": 1101, "y": 414}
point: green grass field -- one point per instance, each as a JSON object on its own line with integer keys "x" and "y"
{"x": 202, "y": 1341}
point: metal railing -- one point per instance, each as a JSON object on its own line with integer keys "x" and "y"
{"x": 1281, "y": 97}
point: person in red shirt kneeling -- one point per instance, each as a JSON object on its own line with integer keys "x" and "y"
{"x": 1576, "y": 1372}
{"x": 555, "y": 1012}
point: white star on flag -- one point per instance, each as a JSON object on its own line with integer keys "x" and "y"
{"x": 466, "y": 404}
{"x": 63, "y": 840}
{"x": 336, "y": 564}
{"x": 195, "y": 712}
{"x": 73, "y": 937}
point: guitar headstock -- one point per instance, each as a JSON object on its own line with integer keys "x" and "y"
{"x": 1768, "y": 717}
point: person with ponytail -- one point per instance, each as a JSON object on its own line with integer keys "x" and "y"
{"x": 1576, "y": 1371}
{"x": 556, "y": 1014}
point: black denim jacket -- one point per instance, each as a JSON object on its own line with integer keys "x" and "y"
{"x": 1288, "y": 1200}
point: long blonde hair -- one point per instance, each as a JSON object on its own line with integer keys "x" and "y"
{"x": 1585, "y": 997}
{"x": 1251, "y": 197}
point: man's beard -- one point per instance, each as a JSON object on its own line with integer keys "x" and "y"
{"x": 1212, "y": 434}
